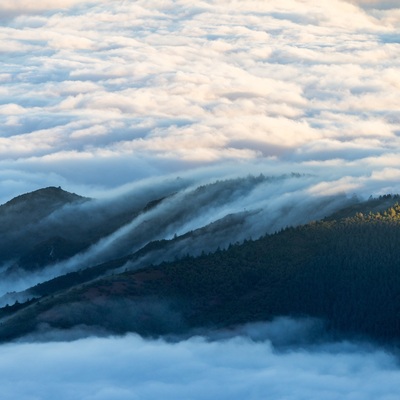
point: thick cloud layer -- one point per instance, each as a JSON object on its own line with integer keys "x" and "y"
{"x": 96, "y": 94}
{"x": 232, "y": 368}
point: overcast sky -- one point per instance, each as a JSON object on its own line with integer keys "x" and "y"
{"x": 97, "y": 94}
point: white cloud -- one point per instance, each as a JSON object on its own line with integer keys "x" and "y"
{"x": 379, "y": 4}
{"x": 18, "y": 7}
{"x": 236, "y": 368}
{"x": 97, "y": 94}
{"x": 173, "y": 86}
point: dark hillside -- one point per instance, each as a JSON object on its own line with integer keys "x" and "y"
{"x": 344, "y": 271}
{"x": 50, "y": 225}
{"x": 47, "y": 197}
{"x": 19, "y": 216}
{"x": 34, "y": 206}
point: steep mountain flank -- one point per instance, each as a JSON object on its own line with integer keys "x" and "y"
{"x": 21, "y": 217}
{"x": 344, "y": 271}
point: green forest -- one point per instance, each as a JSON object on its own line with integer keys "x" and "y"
{"x": 343, "y": 270}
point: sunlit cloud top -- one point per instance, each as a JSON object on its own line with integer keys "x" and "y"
{"x": 101, "y": 93}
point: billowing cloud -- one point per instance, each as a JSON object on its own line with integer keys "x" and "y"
{"x": 101, "y": 93}
{"x": 22, "y": 7}
{"x": 234, "y": 367}
{"x": 378, "y": 4}
{"x": 98, "y": 94}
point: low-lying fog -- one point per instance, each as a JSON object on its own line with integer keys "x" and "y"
{"x": 243, "y": 364}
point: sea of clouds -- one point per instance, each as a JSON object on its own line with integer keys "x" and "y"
{"x": 97, "y": 94}
{"x": 236, "y": 367}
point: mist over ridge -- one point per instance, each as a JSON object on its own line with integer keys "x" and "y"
{"x": 213, "y": 215}
{"x": 166, "y": 167}
{"x": 223, "y": 253}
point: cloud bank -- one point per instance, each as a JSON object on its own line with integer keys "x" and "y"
{"x": 232, "y": 368}
{"x": 97, "y": 94}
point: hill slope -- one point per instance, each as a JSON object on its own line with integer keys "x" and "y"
{"x": 20, "y": 217}
{"x": 344, "y": 271}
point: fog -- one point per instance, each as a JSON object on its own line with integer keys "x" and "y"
{"x": 237, "y": 365}
{"x": 196, "y": 213}
{"x": 115, "y": 100}
{"x": 98, "y": 94}
{"x": 194, "y": 218}
{"x": 266, "y": 204}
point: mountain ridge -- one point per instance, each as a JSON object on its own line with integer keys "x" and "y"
{"x": 47, "y": 193}
{"x": 317, "y": 270}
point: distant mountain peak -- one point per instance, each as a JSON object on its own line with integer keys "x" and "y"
{"x": 51, "y": 193}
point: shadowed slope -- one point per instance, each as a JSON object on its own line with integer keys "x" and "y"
{"x": 345, "y": 272}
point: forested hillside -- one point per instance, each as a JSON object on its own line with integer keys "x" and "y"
{"x": 343, "y": 269}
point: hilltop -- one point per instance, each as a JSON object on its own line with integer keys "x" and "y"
{"x": 342, "y": 269}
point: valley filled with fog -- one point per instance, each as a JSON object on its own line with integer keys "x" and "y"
{"x": 138, "y": 135}
{"x": 234, "y": 368}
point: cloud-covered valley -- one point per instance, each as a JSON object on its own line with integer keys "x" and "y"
{"x": 97, "y": 94}
{"x": 115, "y": 99}
{"x": 236, "y": 367}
